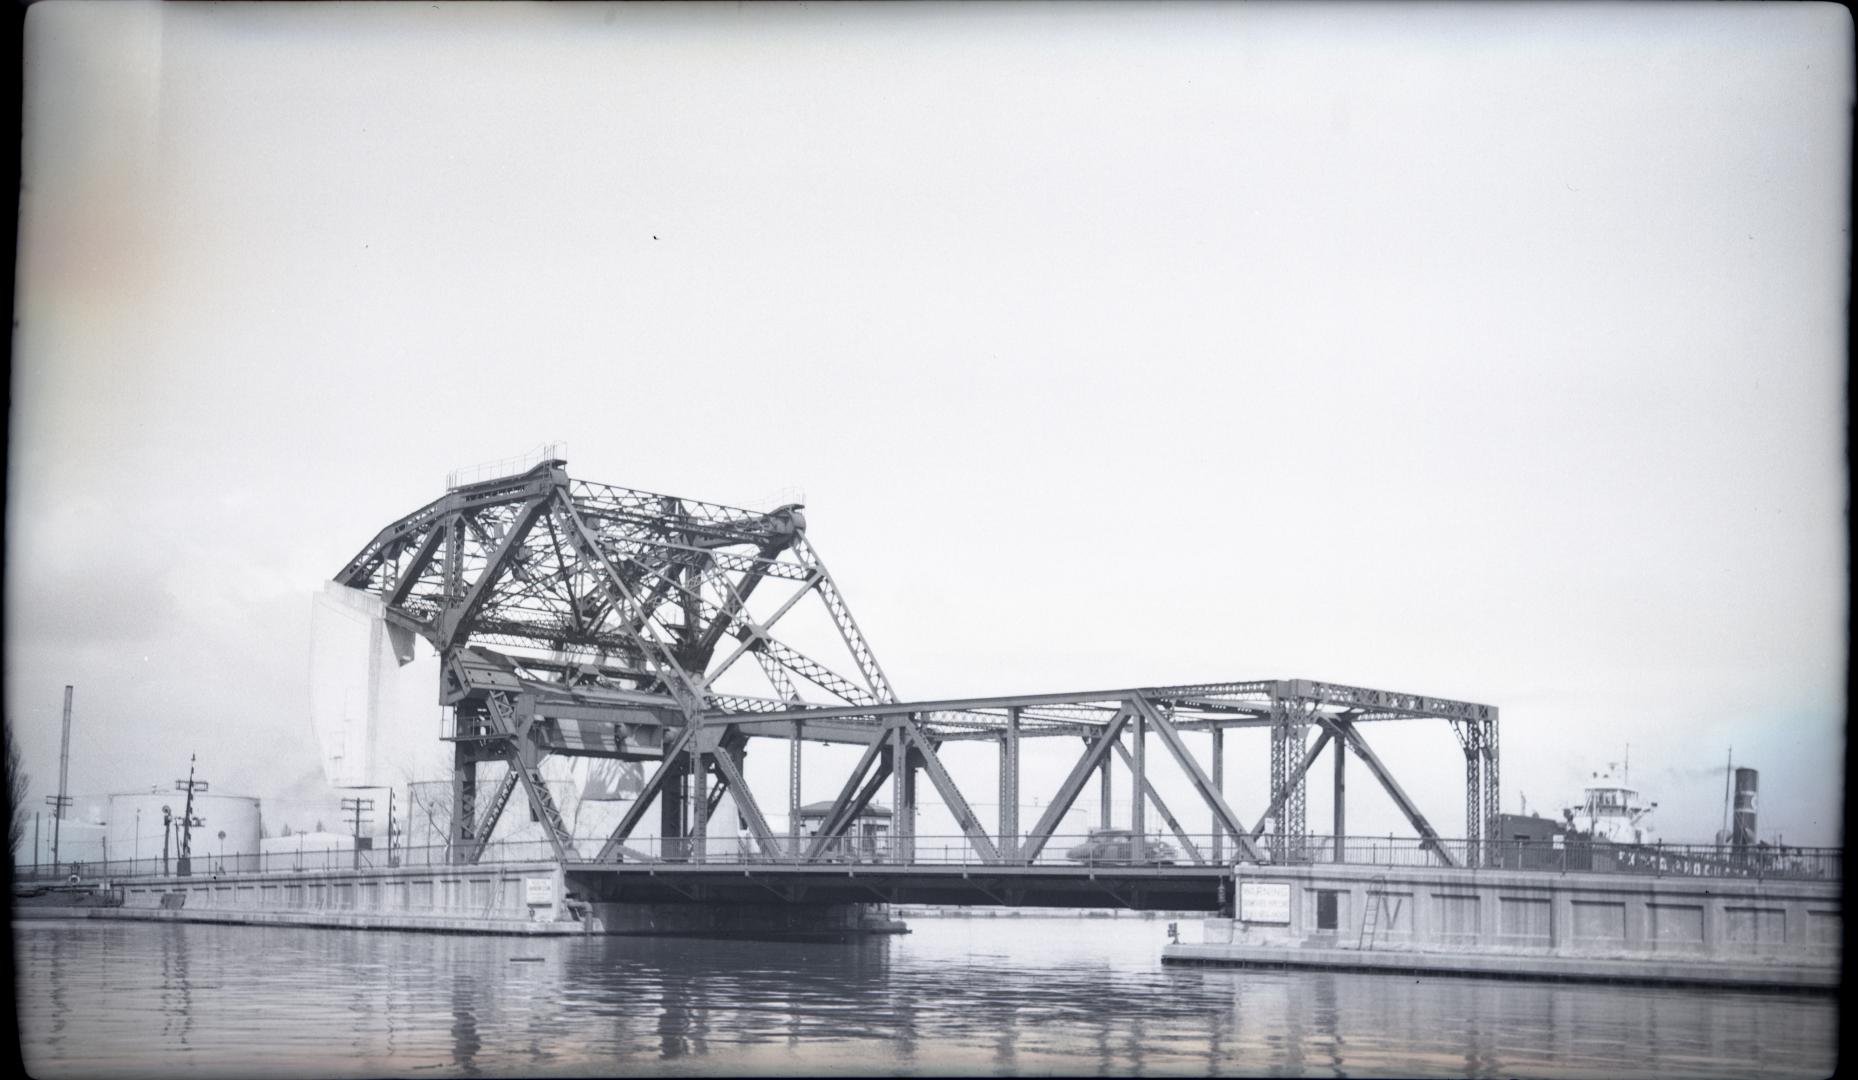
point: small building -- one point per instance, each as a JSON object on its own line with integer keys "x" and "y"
{"x": 867, "y": 838}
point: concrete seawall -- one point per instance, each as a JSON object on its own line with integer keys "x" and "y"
{"x": 1612, "y": 927}
{"x": 506, "y": 898}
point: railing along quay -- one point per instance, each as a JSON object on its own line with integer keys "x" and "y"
{"x": 1075, "y": 851}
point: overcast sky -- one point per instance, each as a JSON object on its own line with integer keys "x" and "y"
{"x": 1491, "y": 352}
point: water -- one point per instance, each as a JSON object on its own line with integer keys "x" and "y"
{"x": 983, "y": 996}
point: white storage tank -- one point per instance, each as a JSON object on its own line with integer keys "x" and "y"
{"x": 135, "y": 824}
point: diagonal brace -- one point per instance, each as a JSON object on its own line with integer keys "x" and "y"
{"x": 951, "y": 795}
{"x": 1277, "y": 802}
{"x": 1428, "y": 837}
{"x": 1166, "y": 815}
{"x": 1074, "y": 783}
{"x": 1247, "y": 851}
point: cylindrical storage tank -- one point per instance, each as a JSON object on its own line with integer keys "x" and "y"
{"x": 1742, "y": 829}
{"x": 235, "y": 815}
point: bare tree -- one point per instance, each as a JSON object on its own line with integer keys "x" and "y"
{"x": 17, "y": 780}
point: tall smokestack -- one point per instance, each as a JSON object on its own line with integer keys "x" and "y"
{"x": 1742, "y": 833}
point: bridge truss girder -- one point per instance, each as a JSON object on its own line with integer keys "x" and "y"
{"x": 587, "y": 620}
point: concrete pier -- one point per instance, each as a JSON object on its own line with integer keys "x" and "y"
{"x": 1584, "y": 926}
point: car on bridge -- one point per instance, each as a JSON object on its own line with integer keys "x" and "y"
{"x": 1118, "y": 847}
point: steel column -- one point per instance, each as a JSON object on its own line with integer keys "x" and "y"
{"x": 793, "y": 790}
{"x": 1009, "y": 786}
{"x": 903, "y": 820}
{"x": 673, "y": 801}
{"x": 699, "y": 804}
{"x": 1138, "y": 787}
{"x": 1103, "y": 790}
{"x": 1219, "y": 785}
{"x": 1341, "y": 800}
{"x": 464, "y": 802}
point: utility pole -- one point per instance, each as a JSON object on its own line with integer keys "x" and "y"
{"x": 62, "y": 800}
{"x": 357, "y": 806}
{"x": 188, "y": 820}
{"x": 392, "y": 826}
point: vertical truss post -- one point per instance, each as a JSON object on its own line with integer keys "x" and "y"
{"x": 673, "y": 800}
{"x": 1341, "y": 800}
{"x": 793, "y": 790}
{"x": 1138, "y": 801}
{"x": 1470, "y": 733}
{"x": 1278, "y": 769}
{"x": 464, "y": 804}
{"x": 1009, "y": 787}
{"x": 903, "y": 820}
{"x": 1288, "y": 729}
{"x": 1103, "y": 789}
{"x": 1492, "y": 806}
{"x": 1219, "y": 785}
{"x": 699, "y": 802}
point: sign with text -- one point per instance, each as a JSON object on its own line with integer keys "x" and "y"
{"x": 539, "y": 891}
{"x": 1264, "y": 902}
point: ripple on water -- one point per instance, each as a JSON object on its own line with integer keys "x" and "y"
{"x": 981, "y": 996}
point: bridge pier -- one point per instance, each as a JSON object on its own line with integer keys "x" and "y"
{"x": 777, "y": 917}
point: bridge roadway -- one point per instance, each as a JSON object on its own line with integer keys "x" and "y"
{"x": 1154, "y": 888}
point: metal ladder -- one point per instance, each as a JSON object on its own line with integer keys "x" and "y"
{"x": 1371, "y": 918}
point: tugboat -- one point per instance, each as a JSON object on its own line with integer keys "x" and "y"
{"x": 1612, "y": 811}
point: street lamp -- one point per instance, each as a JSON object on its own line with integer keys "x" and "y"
{"x": 222, "y": 851}
{"x": 167, "y": 829}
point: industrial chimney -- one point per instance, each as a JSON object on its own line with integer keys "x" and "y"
{"x": 1742, "y": 832}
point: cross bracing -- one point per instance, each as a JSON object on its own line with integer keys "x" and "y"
{"x": 590, "y": 620}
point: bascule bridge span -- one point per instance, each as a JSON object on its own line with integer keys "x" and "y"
{"x": 588, "y": 620}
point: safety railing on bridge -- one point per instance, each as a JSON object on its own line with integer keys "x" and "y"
{"x": 302, "y": 860}
{"x": 1087, "y": 850}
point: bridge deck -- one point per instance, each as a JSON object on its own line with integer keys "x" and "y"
{"x": 1155, "y": 888}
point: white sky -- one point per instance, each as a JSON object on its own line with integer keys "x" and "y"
{"x": 1492, "y": 352}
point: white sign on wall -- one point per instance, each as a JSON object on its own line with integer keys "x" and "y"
{"x": 1264, "y": 902}
{"x": 539, "y": 891}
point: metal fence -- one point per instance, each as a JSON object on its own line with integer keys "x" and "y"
{"x": 1092, "y": 850}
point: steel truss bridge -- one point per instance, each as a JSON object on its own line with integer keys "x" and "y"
{"x": 588, "y": 620}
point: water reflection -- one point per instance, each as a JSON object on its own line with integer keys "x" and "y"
{"x": 986, "y": 996}
{"x": 465, "y": 1040}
